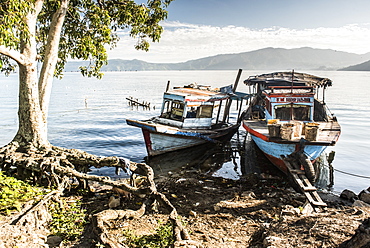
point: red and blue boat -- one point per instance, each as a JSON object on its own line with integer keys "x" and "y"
{"x": 285, "y": 116}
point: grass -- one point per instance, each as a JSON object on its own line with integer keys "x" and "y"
{"x": 69, "y": 219}
{"x": 14, "y": 193}
{"x": 163, "y": 237}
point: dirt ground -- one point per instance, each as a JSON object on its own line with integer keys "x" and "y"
{"x": 250, "y": 212}
{"x": 218, "y": 212}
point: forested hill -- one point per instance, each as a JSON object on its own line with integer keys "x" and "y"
{"x": 360, "y": 67}
{"x": 305, "y": 58}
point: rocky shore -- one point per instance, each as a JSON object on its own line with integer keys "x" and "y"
{"x": 218, "y": 212}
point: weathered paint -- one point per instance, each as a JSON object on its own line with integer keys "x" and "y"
{"x": 161, "y": 138}
{"x": 162, "y": 143}
{"x": 274, "y": 151}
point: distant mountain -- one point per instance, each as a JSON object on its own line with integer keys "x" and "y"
{"x": 279, "y": 58}
{"x": 360, "y": 67}
{"x": 305, "y": 58}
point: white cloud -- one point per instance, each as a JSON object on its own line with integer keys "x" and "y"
{"x": 181, "y": 42}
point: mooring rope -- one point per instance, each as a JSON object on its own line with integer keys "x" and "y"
{"x": 351, "y": 174}
{"x": 340, "y": 171}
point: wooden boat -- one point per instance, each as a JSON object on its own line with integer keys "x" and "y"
{"x": 286, "y": 119}
{"x": 190, "y": 116}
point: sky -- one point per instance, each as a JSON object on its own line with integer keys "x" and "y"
{"x": 201, "y": 28}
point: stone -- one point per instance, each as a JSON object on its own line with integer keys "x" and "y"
{"x": 290, "y": 210}
{"x": 272, "y": 241}
{"x": 361, "y": 237}
{"x": 361, "y": 204}
{"x": 54, "y": 241}
{"x": 249, "y": 195}
{"x": 114, "y": 202}
{"x": 193, "y": 213}
{"x": 364, "y": 196}
{"x": 307, "y": 209}
{"x": 348, "y": 195}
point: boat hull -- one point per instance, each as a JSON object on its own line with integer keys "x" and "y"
{"x": 276, "y": 148}
{"x": 160, "y": 140}
{"x": 273, "y": 151}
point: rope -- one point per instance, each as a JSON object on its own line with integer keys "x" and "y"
{"x": 351, "y": 174}
{"x": 340, "y": 171}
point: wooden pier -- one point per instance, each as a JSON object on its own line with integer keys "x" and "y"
{"x": 135, "y": 102}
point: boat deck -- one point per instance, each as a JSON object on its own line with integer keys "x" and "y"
{"x": 328, "y": 133}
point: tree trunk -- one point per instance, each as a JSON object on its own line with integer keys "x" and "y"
{"x": 32, "y": 129}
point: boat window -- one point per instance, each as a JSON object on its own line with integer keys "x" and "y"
{"x": 191, "y": 113}
{"x": 173, "y": 110}
{"x": 282, "y": 112}
{"x": 292, "y": 112}
{"x": 301, "y": 113}
{"x": 177, "y": 110}
{"x": 204, "y": 111}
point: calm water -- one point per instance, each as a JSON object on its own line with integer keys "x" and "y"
{"x": 90, "y": 114}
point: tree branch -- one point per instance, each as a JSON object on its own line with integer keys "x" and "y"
{"x": 51, "y": 56}
{"x": 13, "y": 54}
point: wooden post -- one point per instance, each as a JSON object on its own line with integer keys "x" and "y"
{"x": 218, "y": 112}
{"x": 168, "y": 85}
{"x": 228, "y": 103}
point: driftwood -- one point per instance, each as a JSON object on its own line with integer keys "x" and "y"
{"x": 61, "y": 167}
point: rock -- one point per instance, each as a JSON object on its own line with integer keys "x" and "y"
{"x": 361, "y": 204}
{"x": 361, "y": 237}
{"x": 307, "y": 209}
{"x": 290, "y": 210}
{"x": 193, "y": 213}
{"x": 348, "y": 195}
{"x": 121, "y": 192}
{"x": 249, "y": 195}
{"x": 187, "y": 244}
{"x": 272, "y": 241}
{"x": 54, "y": 241}
{"x": 364, "y": 196}
{"x": 113, "y": 202}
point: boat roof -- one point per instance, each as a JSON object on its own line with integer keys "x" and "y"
{"x": 286, "y": 78}
{"x": 198, "y": 93}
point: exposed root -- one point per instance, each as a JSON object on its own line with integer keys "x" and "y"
{"x": 56, "y": 166}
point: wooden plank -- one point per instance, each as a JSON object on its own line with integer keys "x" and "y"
{"x": 309, "y": 188}
{"x": 299, "y": 172}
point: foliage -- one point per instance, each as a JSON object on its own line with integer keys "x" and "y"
{"x": 69, "y": 219}
{"x": 14, "y": 193}
{"x": 90, "y": 27}
{"x": 163, "y": 237}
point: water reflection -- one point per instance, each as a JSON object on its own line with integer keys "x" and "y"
{"x": 231, "y": 160}
{"x": 208, "y": 158}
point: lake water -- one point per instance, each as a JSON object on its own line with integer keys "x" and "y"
{"x": 90, "y": 114}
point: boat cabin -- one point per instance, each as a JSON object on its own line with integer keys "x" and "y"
{"x": 288, "y": 103}
{"x": 288, "y": 96}
{"x": 191, "y": 107}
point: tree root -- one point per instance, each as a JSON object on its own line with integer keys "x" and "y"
{"x": 59, "y": 166}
